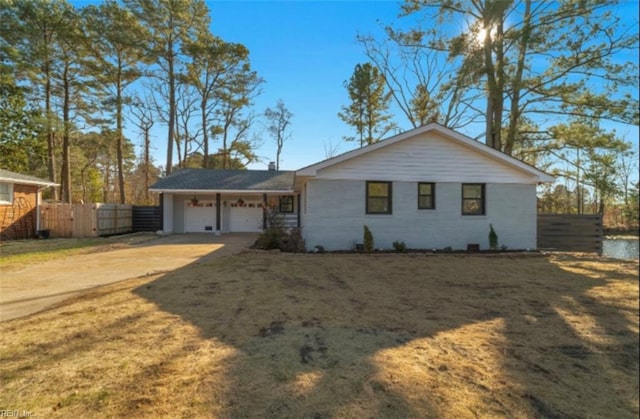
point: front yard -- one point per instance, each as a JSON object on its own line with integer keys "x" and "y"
{"x": 321, "y": 336}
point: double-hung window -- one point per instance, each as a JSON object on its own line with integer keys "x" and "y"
{"x": 473, "y": 199}
{"x": 378, "y": 197}
{"x": 6, "y": 193}
{"x": 426, "y": 195}
{"x": 286, "y": 204}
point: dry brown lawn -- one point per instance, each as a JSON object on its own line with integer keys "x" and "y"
{"x": 353, "y": 336}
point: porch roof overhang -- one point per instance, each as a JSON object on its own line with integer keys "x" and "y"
{"x": 225, "y": 191}
{"x": 7, "y": 176}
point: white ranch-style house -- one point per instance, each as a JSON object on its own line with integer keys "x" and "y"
{"x": 430, "y": 187}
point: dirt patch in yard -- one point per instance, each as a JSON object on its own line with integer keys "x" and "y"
{"x": 320, "y": 336}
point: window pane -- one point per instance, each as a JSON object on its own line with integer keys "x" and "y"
{"x": 472, "y": 191}
{"x": 4, "y": 192}
{"x": 424, "y": 189}
{"x": 425, "y": 202}
{"x": 378, "y": 189}
{"x": 378, "y": 205}
{"x": 472, "y": 206}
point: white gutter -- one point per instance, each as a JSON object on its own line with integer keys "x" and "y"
{"x": 223, "y": 191}
{"x": 28, "y": 182}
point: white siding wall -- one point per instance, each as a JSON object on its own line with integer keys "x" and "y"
{"x": 426, "y": 156}
{"x": 336, "y": 214}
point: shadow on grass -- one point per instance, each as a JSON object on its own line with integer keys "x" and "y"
{"x": 409, "y": 336}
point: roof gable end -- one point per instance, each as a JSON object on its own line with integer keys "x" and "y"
{"x": 442, "y": 132}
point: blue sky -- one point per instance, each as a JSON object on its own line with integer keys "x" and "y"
{"x": 305, "y": 51}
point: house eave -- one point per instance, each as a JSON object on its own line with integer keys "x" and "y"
{"x": 224, "y": 191}
{"x": 28, "y": 182}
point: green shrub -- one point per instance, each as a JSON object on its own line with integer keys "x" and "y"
{"x": 368, "y": 240}
{"x": 493, "y": 238}
{"x": 274, "y": 235}
{"x": 399, "y": 246}
{"x": 270, "y": 239}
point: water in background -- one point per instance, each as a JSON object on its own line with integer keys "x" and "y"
{"x": 620, "y": 248}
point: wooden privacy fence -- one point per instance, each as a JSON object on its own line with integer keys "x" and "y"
{"x": 570, "y": 232}
{"x": 85, "y": 220}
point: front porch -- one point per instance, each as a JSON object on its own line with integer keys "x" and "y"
{"x": 224, "y": 212}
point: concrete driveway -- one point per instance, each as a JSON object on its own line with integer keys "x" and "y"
{"x": 37, "y": 287}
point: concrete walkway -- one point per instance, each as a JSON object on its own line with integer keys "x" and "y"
{"x": 37, "y": 287}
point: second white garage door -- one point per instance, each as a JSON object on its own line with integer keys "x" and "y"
{"x": 245, "y": 219}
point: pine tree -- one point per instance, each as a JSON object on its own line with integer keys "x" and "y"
{"x": 368, "y": 111}
{"x": 114, "y": 40}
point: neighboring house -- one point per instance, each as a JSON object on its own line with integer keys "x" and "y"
{"x": 430, "y": 187}
{"x": 20, "y": 196}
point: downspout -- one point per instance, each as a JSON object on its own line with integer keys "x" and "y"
{"x": 38, "y": 199}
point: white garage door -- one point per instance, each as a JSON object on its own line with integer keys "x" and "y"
{"x": 245, "y": 219}
{"x": 200, "y": 217}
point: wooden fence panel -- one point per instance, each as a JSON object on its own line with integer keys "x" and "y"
{"x": 58, "y": 219}
{"x": 113, "y": 219}
{"x": 85, "y": 220}
{"x": 570, "y": 232}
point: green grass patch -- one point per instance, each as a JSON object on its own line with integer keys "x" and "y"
{"x": 19, "y": 253}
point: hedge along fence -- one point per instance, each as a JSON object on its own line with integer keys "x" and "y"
{"x": 85, "y": 220}
{"x": 570, "y": 232}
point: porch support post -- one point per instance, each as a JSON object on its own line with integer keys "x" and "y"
{"x": 298, "y": 205}
{"x": 218, "y": 212}
{"x": 264, "y": 211}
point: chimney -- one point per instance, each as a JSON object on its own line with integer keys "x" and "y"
{"x": 272, "y": 166}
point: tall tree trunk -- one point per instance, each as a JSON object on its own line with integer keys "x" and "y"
{"x": 494, "y": 12}
{"x": 205, "y": 134}
{"x": 514, "y": 114}
{"x": 106, "y": 183}
{"x": 172, "y": 107}
{"x": 147, "y": 163}
{"x": 51, "y": 134}
{"x": 66, "y": 142}
{"x": 119, "y": 139}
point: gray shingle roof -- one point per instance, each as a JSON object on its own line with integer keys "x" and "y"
{"x": 12, "y": 177}
{"x": 209, "y": 179}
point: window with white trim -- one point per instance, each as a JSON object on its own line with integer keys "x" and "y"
{"x": 6, "y": 193}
